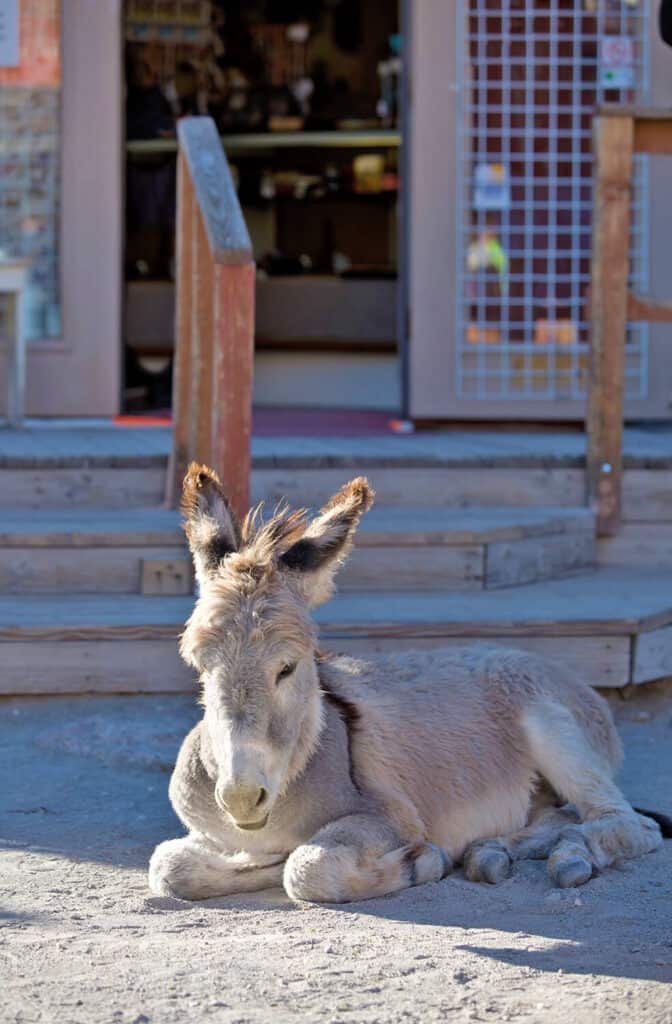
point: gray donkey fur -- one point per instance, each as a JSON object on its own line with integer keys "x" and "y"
{"x": 344, "y": 779}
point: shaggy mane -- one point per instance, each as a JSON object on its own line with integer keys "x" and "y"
{"x": 261, "y": 539}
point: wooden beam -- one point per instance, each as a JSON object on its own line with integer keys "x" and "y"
{"x": 182, "y": 397}
{"x": 613, "y": 143}
{"x": 203, "y": 326}
{"x": 215, "y": 318}
{"x": 640, "y": 307}
{"x": 225, "y": 227}
{"x": 232, "y": 366}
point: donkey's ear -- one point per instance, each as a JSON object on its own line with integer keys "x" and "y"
{"x": 326, "y": 542}
{"x": 210, "y": 523}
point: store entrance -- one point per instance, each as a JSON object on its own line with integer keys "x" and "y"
{"x": 306, "y": 97}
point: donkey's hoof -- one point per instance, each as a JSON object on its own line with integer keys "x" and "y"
{"x": 428, "y": 863}
{"x": 567, "y": 874}
{"x": 487, "y": 863}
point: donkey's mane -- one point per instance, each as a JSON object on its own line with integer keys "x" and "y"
{"x": 262, "y": 537}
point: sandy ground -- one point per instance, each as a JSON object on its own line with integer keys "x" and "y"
{"x": 82, "y": 940}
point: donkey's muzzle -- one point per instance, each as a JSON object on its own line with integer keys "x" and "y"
{"x": 245, "y": 803}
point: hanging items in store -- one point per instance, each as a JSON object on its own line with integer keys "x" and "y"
{"x": 491, "y": 187}
{"x": 486, "y": 252}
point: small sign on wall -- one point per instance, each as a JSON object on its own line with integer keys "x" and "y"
{"x": 491, "y": 187}
{"x": 617, "y": 62}
{"x": 9, "y": 34}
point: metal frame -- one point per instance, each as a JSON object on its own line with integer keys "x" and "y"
{"x": 549, "y": 265}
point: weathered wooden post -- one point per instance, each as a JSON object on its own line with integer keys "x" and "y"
{"x": 214, "y": 322}
{"x": 613, "y": 145}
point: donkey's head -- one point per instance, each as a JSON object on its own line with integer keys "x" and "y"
{"x": 251, "y": 636}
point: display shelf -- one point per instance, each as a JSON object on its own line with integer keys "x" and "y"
{"x": 242, "y": 143}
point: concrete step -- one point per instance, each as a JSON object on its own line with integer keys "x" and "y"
{"x": 93, "y": 550}
{"x": 108, "y": 551}
{"x": 613, "y": 626}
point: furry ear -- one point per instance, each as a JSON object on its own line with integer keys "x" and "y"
{"x": 326, "y": 542}
{"x": 210, "y": 523}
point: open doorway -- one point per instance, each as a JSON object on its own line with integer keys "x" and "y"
{"x": 306, "y": 98}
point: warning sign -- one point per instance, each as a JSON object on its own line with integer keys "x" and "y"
{"x": 617, "y": 62}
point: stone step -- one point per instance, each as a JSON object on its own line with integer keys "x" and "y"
{"x": 613, "y": 626}
{"x": 142, "y": 550}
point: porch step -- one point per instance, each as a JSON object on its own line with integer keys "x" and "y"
{"x": 110, "y": 551}
{"x": 93, "y": 550}
{"x": 613, "y": 626}
{"x": 434, "y": 548}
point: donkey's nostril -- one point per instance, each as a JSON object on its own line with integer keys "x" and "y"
{"x": 262, "y": 797}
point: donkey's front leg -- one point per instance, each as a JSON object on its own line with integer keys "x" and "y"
{"x": 191, "y": 868}
{"x": 359, "y": 857}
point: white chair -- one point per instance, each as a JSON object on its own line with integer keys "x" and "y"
{"x": 13, "y": 281}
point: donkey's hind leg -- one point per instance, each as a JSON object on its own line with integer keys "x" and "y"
{"x": 359, "y": 857}
{"x": 191, "y": 868}
{"x": 490, "y": 860}
{"x": 581, "y": 774}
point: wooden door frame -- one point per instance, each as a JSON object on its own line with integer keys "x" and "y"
{"x": 79, "y": 374}
{"x": 432, "y": 198}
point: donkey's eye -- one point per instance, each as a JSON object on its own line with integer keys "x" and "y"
{"x": 284, "y": 672}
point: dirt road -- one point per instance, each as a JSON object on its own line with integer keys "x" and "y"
{"x": 83, "y": 801}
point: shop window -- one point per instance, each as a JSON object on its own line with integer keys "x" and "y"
{"x": 30, "y": 104}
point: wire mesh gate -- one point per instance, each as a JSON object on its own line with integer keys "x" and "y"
{"x": 532, "y": 72}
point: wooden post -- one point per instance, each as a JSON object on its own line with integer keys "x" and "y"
{"x": 203, "y": 326}
{"x": 613, "y": 142}
{"x": 233, "y": 360}
{"x": 212, "y": 386}
{"x": 182, "y": 397}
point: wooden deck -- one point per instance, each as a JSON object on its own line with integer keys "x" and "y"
{"x": 477, "y": 535}
{"x": 102, "y": 444}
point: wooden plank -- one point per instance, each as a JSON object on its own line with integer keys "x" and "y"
{"x": 232, "y": 368}
{"x": 641, "y": 113}
{"x": 442, "y": 486}
{"x": 513, "y": 563}
{"x": 104, "y": 666}
{"x": 640, "y": 307}
{"x": 647, "y": 495}
{"x": 601, "y": 661}
{"x": 166, "y": 575}
{"x": 154, "y": 666}
{"x": 653, "y": 134}
{"x": 111, "y": 570}
{"x": 114, "y": 488}
{"x": 90, "y": 527}
{"x": 202, "y": 327}
{"x": 182, "y": 397}
{"x": 613, "y": 139}
{"x": 638, "y": 545}
{"x": 413, "y": 568}
{"x": 652, "y": 655}
{"x": 421, "y": 525}
{"x": 228, "y": 238}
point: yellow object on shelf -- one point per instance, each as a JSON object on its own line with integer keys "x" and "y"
{"x": 477, "y": 335}
{"x": 555, "y": 332}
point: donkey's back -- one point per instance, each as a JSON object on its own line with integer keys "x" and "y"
{"x": 452, "y": 733}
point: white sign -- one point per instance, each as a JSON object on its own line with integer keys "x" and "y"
{"x": 617, "y": 62}
{"x": 9, "y": 33}
{"x": 491, "y": 187}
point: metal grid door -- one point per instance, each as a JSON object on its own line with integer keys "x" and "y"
{"x": 532, "y": 73}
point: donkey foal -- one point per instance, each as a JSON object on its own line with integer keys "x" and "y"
{"x": 345, "y": 779}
